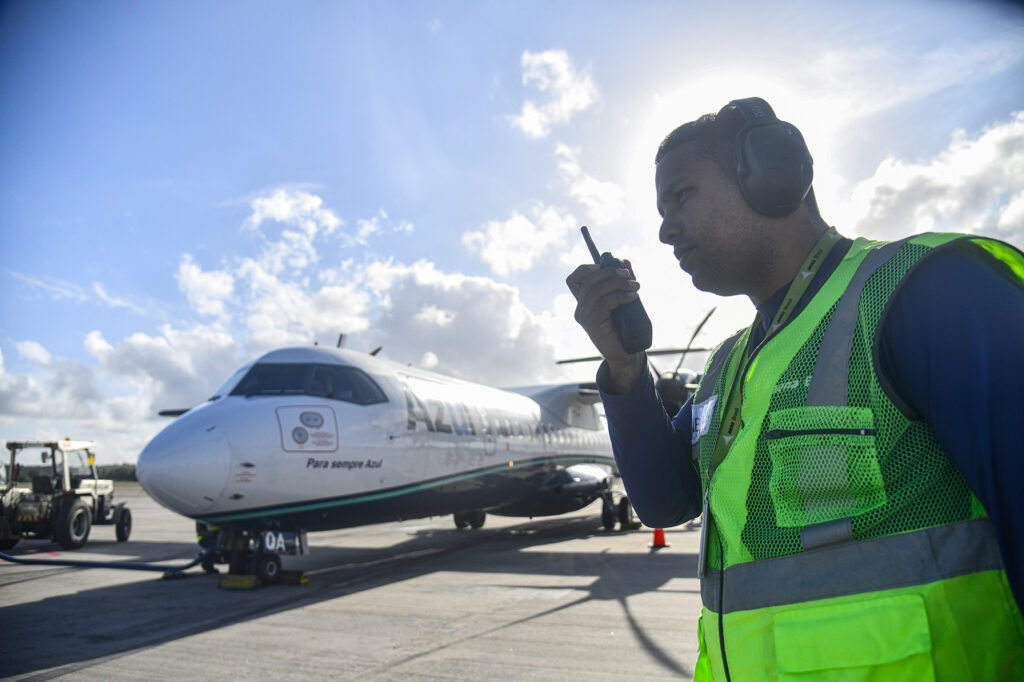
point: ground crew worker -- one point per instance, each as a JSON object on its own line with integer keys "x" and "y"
{"x": 207, "y": 535}
{"x": 856, "y": 451}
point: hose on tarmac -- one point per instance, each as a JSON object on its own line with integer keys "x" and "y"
{"x": 168, "y": 571}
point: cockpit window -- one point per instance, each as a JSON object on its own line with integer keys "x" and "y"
{"x": 223, "y": 390}
{"x": 333, "y": 382}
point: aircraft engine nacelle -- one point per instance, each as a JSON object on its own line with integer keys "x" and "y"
{"x": 568, "y": 489}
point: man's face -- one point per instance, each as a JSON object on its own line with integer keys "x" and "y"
{"x": 716, "y": 237}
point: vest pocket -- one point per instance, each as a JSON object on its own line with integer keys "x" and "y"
{"x": 824, "y": 464}
{"x": 878, "y": 639}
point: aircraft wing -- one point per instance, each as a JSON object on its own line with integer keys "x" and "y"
{"x": 572, "y": 404}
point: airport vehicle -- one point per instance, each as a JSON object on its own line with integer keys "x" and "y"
{"x": 310, "y": 439}
{"x": 63, "y": 499}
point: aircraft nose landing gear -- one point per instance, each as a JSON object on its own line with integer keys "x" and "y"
{"x": 254, "y": 557}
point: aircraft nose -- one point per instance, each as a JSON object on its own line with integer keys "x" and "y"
{"x": 185, "y": 468}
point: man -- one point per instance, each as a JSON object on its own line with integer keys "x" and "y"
{"x": 857, "y": 452}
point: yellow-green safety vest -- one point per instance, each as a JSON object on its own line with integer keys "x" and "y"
{"x": 840, "y": 542}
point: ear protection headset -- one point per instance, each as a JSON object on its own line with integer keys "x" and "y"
{"x": 773, "y": 165}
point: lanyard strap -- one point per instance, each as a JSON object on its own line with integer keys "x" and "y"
{"x": 734, "y": 373}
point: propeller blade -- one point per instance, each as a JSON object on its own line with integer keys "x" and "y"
{"x": 173, "y": 413}
{"x": 658, "y": 351}
{"x": 692, "y": 338}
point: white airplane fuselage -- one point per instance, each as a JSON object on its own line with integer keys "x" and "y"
{"x": 314, "y": 439}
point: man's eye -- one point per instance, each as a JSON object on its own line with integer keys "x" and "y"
{"x": 681, "y": 195}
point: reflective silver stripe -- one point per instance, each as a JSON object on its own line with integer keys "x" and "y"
{"x": 825, "y": 534}
{"x": 884, "y": 563}
{"x": 831, "y": 379}
{"x": 710, "y": 379}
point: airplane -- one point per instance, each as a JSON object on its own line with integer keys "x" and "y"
{"x": 311, "y": 438}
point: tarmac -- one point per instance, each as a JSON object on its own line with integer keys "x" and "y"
{"x": 544, "y": 599}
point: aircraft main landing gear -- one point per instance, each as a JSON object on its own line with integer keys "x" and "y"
{"x": 471, "y": 519}
{"x": 621, "y": 513}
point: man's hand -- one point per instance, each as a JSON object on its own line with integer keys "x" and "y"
{"x": 598, "y": 292}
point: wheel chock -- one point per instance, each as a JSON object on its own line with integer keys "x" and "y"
{"x": 232, "y": 581}
{"x": 293, "y": 578}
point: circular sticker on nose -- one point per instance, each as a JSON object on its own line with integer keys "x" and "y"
{"x": 300, "y": 435}
{"x": 313, "y": 420}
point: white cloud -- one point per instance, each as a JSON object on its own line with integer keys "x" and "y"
{"x": 516, "y": 244}
{"x": 118, "y": 301}
{"x": 303, "y": 211}
{"x": 975, "y": 185}
{"x": 603, "y": 200}
{"x": 379, "y": 224}
{"x": 433, "y": 315}
{"x": 34, "y": 352}
{"x": 207, "y": 292}
{"x": 59, "y": 290}
{"x": 875, "y": 77}
{"x": 495, "y": 339}
{"x": 567, "y": 91}
{"x": 177, "y": 368}
{"x": 59, "y": 389}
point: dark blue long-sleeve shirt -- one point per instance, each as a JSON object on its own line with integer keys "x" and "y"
{"x": 951, "y": 349}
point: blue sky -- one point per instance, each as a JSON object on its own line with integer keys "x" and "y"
{"x": 186, "y": 185}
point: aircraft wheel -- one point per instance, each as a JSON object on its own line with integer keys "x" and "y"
{"x": 238, "y": 563}
{"x": 124, "y": 526}
{"x": 73, "y": 525}
{"x": 268, "y": 568}
{"x": 608, "y": 516}
{"x": 477, "y": 519}
{"x": 461, "y": 520}
{"x": 626, "y": 517}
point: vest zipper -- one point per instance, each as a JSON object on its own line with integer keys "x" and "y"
{"x": 786, "y": 433}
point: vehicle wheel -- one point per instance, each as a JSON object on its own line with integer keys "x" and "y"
{"x": 626, "y": 516}
{"x": 477, "y": 519}
{"x": 8, "y": 543}
{"x": 268, "y": 568}
{"x": 460, "y": 520}
{"x": 239, "y": 564}
{"x": 608, "y": 516}
{"x": 124, "y": 526}
{"x": 73, "y": 525}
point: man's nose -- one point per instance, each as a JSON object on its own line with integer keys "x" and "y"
{"x": 668, "y": 232}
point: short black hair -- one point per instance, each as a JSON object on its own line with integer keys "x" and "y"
{"x": 715, "y": 135}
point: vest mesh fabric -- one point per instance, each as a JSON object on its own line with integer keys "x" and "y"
{"x": 864, "y": 461}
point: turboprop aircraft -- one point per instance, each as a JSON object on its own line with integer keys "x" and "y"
{"x": 311, "y": 439}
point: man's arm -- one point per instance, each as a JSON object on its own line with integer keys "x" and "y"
{"x": 951, "y": 348}
{"x": 653, "y": 454}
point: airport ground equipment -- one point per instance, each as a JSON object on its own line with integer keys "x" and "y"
{"x": 61, "y": 500}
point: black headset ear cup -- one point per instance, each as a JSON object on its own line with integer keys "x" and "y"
{"x": 773, "y": 166}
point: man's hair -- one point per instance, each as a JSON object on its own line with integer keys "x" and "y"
{"x": 715, "y": 135}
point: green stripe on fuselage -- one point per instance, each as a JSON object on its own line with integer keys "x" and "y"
{"x": 396, "y": 492}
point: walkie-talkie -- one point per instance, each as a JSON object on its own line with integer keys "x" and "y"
{"x": 629, "y": 319}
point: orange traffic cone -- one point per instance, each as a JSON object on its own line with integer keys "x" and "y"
{"x": 659, "y": 539}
